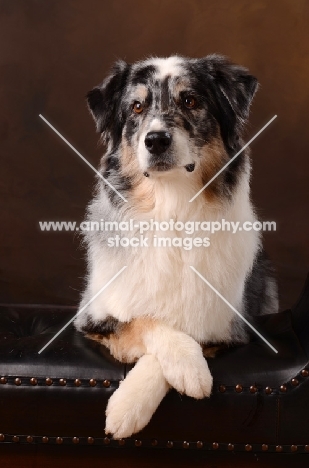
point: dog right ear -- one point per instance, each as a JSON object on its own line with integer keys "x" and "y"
{"x": 104, "y": 102}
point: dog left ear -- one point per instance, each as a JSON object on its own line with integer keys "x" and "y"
{"x": 104, "y": 101}
{"x": 233, "y": 88}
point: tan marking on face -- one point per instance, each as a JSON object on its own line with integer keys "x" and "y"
{"x": 140, "y": 93}
{"x": 126, "y": 344}
{"x": 142, "y": 193}
{"x": 213, "y": 158}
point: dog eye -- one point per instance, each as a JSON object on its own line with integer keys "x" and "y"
{"x": 190, "y": 102}
{"x": 138, "y": 107}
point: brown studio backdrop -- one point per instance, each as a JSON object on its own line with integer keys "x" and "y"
{"x": 53, "y": 52}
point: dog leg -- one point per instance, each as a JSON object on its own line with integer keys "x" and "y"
{"x": 181, "y": 359}
{"x": 132, "y": 405}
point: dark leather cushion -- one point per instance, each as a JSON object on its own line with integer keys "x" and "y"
{"x": 253, "y": 395}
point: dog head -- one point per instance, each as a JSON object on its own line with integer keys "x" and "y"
{"x": 169, "y": 112}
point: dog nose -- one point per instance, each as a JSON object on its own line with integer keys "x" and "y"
{"x": 158, "y": 142}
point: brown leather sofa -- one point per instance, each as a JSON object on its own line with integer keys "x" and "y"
{"x": 259, "y": 401}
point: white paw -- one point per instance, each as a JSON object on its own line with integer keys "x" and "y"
{"x": 124, "y": 415}
{"x": 132, "y": 405}
{"x": 185, "y": 367}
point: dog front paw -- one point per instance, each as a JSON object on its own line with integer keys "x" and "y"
{"x": 186, "y": 369}
{"x": 124, "y": 415}
{"x": 132, "y": 405}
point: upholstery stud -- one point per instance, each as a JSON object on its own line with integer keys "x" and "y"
{"x": 90, "y": 440}
{"x": 138, "y": 443}
{"x": 253, "y": 389}
{"x": 77, "y": 383}
{"x": 268, "y": 390}
{"x": 248, "y": 447}
{"x": 283, "y": 388}
{"x": 48, "y": 381}
{"x": 154, "y": 442}
{"x": 92, "y": 382}
{"x": 239, "y": 388}
{"x": 33, "y": 381}
{"x": 279, "y": 448}
{"x": 306, "y": 448}
{"x": 106, "y": 440}
{"x": 293, "y": 448}
{"x": 17, "y": 381}
{"x": 294, "y": 382}
{"x": 75, "y": 440}
{"x": 170, "y": 444}
{"x": 230, "y": 447}
{"x": 45, "y": 440}
{"x": 222, "y": 388}
{"x": 186, "y": 444}
{"x": 3, "y": 380}
{"x": 29, "y": 439}
{"x": 15, "y": 439}
{"x": 215, "y": 446}
{"x": 106, "y": 383}
{"x": 305, "y": 373}
{"x": 199, "y": 444}
{"x": 2, "y": 437}
{"x": 121, "y": 442}
{"x": 59, "y": 440}
{"x": 62, "y": 382}
{"x": 264, "y": 447}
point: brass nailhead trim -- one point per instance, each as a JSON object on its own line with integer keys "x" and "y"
{"x": 33, "y": 381}
{"x": 306, "y": 448}
{"x": 238, "y": 388}
{"x": 283, "y": 388}
{"x": 199, "y": 444}
{"x": 106, "y": 383}
{"x": 305, "y": 373}
{"x": 268, "y": 390}
{"x": 59, "y": 440}
{"x": 77, "y": 383}
{"x": 253, "y": 389}
{"x": 264, "y": 447}
{"x": 293, "y": 448}
{"x": 92, "y": 382}
{"x": 48, "y": 381}
{"x": 138, "y": 443}
{"x": 215, "y": 446}
{"x": 154, "y": 442}
{"x": 75, "y": 440}
{"x": 294, "y": 382}
{"x": 2, "y": 437}
{"x": 121, "y": 441}
{"x": 248, "y": 447}
{"x": 230, "y": 447}
{"x": 45, "y": 440}
{"x": 106, "y": 440}
{"x": 186, "y": 445}
{"x": 222, "y": 388}
{"x": 17, "y": 381}
{"x": 62, "y": 382}
{"x": 279, "y": 448}
{"x": 90, "y": 440}
{"x": 3, "y": 380}
{"x": 29, "y": 439}
{"x": 170, "y": 444}
{"x": 15, "y": 439}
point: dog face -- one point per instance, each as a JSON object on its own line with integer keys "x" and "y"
{"x": 168, "y": 113}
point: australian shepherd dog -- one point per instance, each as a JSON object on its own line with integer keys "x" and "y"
{"x": 169, "y": 125}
